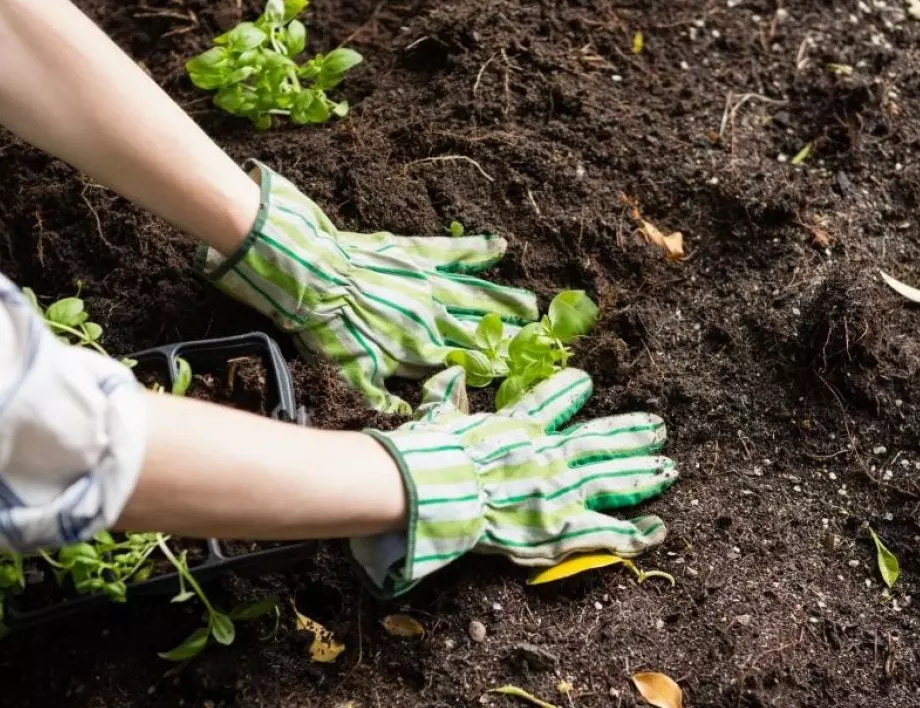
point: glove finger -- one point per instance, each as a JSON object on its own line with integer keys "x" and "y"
{"x": 627, "y": 481}
{"x": 554, "y": 401}
{"x": 363, "y": 364}
{"x": 468, "y": 296}
{"x": 445, "y": 391}
{"x": 609, "y": 438}
{"x": 468, "y": 254}
{"x": 588, "y": 531}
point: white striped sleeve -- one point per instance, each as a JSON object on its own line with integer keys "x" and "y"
{"x": 72, "y": 433}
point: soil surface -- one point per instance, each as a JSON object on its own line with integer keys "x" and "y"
{"x": 788, "y": 374}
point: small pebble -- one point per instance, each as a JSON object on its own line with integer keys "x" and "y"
{"x": 692, "y": 572}
{"x": 694, "y": 502}
{"x": 477, "y": 631}
{"x": 832, "y": 476}
{"x": 598, "y": 606}
{"x": 449, "y": 644}
{"x": 743, "y": 620}
{"x": 853, "y": 563}
{"x": 879, "y": 450}
{"x": 496, "y": 607}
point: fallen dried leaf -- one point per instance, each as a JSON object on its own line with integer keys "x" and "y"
{"x": 324, "y": 649}
{"x": 402, "y": 626}
{"x": 659, "y": 690}
{"x": 912, "y": 294}
{"x": 573, "y": 566}
{"x": 672, "y": 244}
{"x": 523, "y": 695}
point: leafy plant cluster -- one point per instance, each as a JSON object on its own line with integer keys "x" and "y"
{"x": 532, "y": 354}
{"x": 254, "y": 72}
{"x": 108, "y": 565}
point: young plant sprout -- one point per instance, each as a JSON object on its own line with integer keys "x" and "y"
{"x": 254, "y": 72}
{"x": 533, "y": 354}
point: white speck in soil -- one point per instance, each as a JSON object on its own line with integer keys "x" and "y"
{"x": 598, "y": 605}
{"x": 477, "y": 631}
{"x": 879, "y": 450}
{"x": 853, "y": 563}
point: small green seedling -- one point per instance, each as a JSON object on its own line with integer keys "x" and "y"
{"x": 456, "y": 229}
{"x": 533, "y": 354}
{"x": 219, "y": 625}
{"x": 888, "y": 564}
{"x": 254, "y": 72}
{"x": 184, "y": 379}
{"x": 104, "y": 566}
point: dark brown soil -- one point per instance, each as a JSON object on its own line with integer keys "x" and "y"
{"x": 787, "y": 373}
{"x": 241, "y": 383}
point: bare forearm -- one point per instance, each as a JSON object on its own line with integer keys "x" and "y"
{"x": 68, "y": 89}
{"x": 214, "y": 471}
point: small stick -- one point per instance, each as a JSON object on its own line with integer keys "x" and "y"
{"x": 443, "y": 158}
{"x": 481, "y": 72}
{"x": 98, "y": 220}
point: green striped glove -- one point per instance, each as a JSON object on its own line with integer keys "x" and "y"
{"x": 378, "y": 305}
{"x": 514, "y": 483}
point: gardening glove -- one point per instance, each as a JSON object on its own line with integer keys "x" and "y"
{"x": 378, "y": 305}
{"x": 517, "y": 484}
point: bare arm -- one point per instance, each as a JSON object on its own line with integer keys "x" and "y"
{"x": 212, "y": 471}
{"x": 66, "y": 88}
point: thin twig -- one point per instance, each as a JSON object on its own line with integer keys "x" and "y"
{"x": 482, "y": 70}
{"x": 98, "y": 220}
{"x": 444, "y": 158}
{"x": 359, "y": 30}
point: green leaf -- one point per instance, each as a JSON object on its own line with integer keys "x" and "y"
{"x": 192, "y": 646}
{"x": 222, "y": 628}
{"x": 77, "y": 552}
{"x": 68, "y": 312}
{"x": 340, "y": 109}
{"x": 295, "y": 38}
{"x": 802, "y": 155}
{"x": 130, "y": 363}
{"x": 246, "y": 611}
{"x": 489, "y": 332}
{"x": 211, "y": 69}
{"x": 887, "y": 562}
{"x": 476, "y": 364}
{"x": 309, "y": 107}
{"x": 456, "y": 229}
{"x": 510, "y": 391}
{"x": 274, "y": 12}
{"x": 246, "y": 36}
{"x": 532, "y": 343}
{"x": 183, "y": 378}
{"x": 262, "y": 122}
{"x": 292, "y": 8}
{"x": 92, "y": 331}
{"x": 572, "y": 314}
{"x": 338, "y": 61}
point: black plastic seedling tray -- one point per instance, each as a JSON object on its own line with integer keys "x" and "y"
{"x": 203, "y": 356}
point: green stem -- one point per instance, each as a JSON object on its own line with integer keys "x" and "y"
{"x": 78, "y": 334}
{"x": 183, "y": 570}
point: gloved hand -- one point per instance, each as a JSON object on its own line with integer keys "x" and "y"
{"x": 378, "y": 305}
{"x": 514, "y": 483}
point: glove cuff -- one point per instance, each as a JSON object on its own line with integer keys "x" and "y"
{"x": 288, "y": 259}
{"x": 446, "y": 508}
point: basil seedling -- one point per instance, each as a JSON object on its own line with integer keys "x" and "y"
{"x": 254, "y": 72}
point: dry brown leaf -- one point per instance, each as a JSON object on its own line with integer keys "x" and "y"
{"x": 659, "y": 690}
{"x": 402, "y": 626}
{"x": 671, "y": 244}
{"x": 324, "y": 649}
